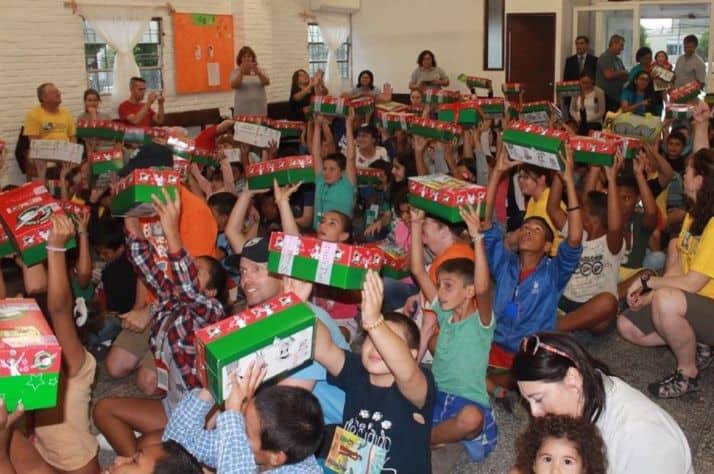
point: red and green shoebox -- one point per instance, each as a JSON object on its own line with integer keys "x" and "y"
{"x": 440, "y": 96}
{"x": 567, "y": 88}
{"x": 288, "y": 128}
{"x": 6, "y": 247}
{"x": 396, "y": 259}
{"x": 134, "y": 191}
{"x": 394, "y": 121}
{"x": 30, "y": 356}
{"x": 510, "y": 88}
{"x": 685, "y": 93}
{"x": 679, "y": 111}
{"x": 104, "y": 164}
{"x": 328, "y": 263}
{"x": 535, "y": 145}
{"x": 181, "y": 166}
{"x": 332, "y": 105}
{"x": 443, "y": 196}
{"x": 288, "y": 170}
{"x": 629, "y": 147}
{"x": 102, "y": 129}
{"x": 362, "y": 105}
{"x": 73, "y": 210}
{"x": 463, "y": 113}
{"x": 434, "y": 129}
{"x": 391, "y": 106}
{"x": 25, "y": 212}
{"x": 537, "y": 112}
{"x": 370, "y": 176}
{"x": 144, "y": 135}
{"x": 255, "y": 119}
{"x": 473, "y": 82}
{"x": 594, "y": 151}
{"x": 492, "y": 108}
{"x": 279, "y": 333}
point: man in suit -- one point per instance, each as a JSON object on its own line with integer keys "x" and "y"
{"x": 581, "y": 62}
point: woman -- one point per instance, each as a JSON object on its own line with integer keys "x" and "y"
{"x": 643, "y": 56}
{"x": 365, "y": 86}
{"x": 639, "y": 96}
{"x": 557, "y": 376}
{"x": 662, "y": 59}
{"x": 427, "y": 74}
{"x": 91, "y": 107}
{"x": 249, "y": 81}
{"x": 675, "y": 309}
{"x": 416, "y": 106}
{"x": 301, "y": 92}
{"x": 588, "y": 108}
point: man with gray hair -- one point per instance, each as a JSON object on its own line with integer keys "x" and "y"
{"x": 611, "y": 75}
{"x": 49, "y": 120}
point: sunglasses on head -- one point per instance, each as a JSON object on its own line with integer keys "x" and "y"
{"x": 535, "y": 343}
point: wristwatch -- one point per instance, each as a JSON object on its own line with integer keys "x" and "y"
{"x": 644, "y": 278}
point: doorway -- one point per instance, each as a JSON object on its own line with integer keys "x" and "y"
{"x": 530, "y": 53}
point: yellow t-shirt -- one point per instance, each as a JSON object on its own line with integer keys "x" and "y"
{"x": 50, "y": 126}
{"x": 697, "y": 253}
{"x": 539, "y": 207}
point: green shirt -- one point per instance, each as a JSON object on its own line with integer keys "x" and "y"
{"x": 461, "y": 356}
{"x": 332, "y": 197}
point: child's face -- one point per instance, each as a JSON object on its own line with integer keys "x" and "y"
{"x": 404, "y": 213}
{"x": 143, "y": 462}
{"x": 109, "y": 255}
{"x": 452, "y": 292}
{"x": 558, "y": 455}
{"x": 331, "y": 171}
{"x": 531, "y": 237}
{"x": 628, "y": 199}
{"x": 331, "y": 228}
{"x": 262, "y": 457}
{"x": 462, "y": 172}
{"x": 674, "y": 148}
{"x": 372, "y": 360}
{"x": 398, "y": 171}
{"x": 220, "y": 219}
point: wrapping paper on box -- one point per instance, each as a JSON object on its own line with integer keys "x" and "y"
{"x": 643, "y": 127}
{"x": 25, "y": 214}
{"x": 663, "y": 78}
{"x": 144, "y": 135}
{"x": 493, "y": 109}
{"x": 279, "y": 332}
{"x": 186, "y": 148}
{"x": 628, "y": 146}
{"x": 440, "y": 96}
{"x": 391, "y": 107}
{"x": 6, "y": 247}
{"x": 370, "y": 176}
{"x": 362, "y": 105}
{"x": 535, "y": 145}
{"x": 567, "y": 88}
{"x": 134, "y": 191}
{"x": 396, "y": 259}
{"x": 104, "y": 164}
{"x": 288, "y": 170}
{"x": 679, "y": 111}
{"x": 30, "y": 356}
{"x": 537, "y": 112}
{"x": 288, "y": 128}
{"x": 102, "y": 129}
{"x": 73, "y": 210}
{"x": 328, "y": 105}
{"x": 594, "y": 151}
{"x": 181, "y": 166}
{"x": 512, "y": 87}
{"x": 255, "y": 119}
{"x": 473, "y": 82}
{"x": 685, "y": 93}
{"x": 328, "y": 263}
{"x": 435, "y": 129}
{"x": 393, "y": 121}
{"x": 463, "y": 113}
{"x": 442, "y": 195}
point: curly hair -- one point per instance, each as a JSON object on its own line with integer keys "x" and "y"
{"x": 702, "y": 209}
{"x": 583, "y": 434}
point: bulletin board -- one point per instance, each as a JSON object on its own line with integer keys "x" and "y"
{"x": 203, "y": 51}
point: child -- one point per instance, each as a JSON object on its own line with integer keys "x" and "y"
{"x": 374, "y": 200}
{"x": 389, "y": 398}
{"x": 558, "y": 443}
{"x": 276, "y": 430}
{"x": 462, "y": 412}
{"x": 221, "y": 205}
{"x": 157, "y": 458}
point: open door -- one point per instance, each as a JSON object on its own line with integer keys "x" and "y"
{"x": 530, "y": 53}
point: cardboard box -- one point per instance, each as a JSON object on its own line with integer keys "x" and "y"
{"x": 535, "y": 145}
{"x": 443, "y": 196}
{"x": 463, "y": 113}
{"x": 434, "y": 129}
{"x": 288, "y": 128}
{"x": 279, "y": 332}
{"x": 370, "y": 176}
{"x": 104, "y": 164}
{"x": 56, "y": 150}
{"x": 394, "y": 107}
{"x": 440, "y": 96}
{"x": 396, "y": 259}
{"x": 394, "y": 121}
{"x": 643, "y": 127}
{"x": 473, "y": 82}
{"x": 594, "y": 151}
{"x": 328, "y": 263}
{"x": 288, "y": 170}
{"x": 679, "y": 111}
{"x": 134, "y": 191}
{"x": 663, "y": 78}
{"x": 101, "y": 129}
{"x": 30, "y": 356}
{"x": 538, "y": 112}
{"x": 362, "y": 105}
{"x": 513, "y": 88}
{"x": 6, "y": 246}
{"x": 328, "y": 105}
{"x": 25, "y": 214}
{"x": 685, "y": 93}
{"x": 254, "y": 119}
{"x": 144, "y": 135}
{"x": 629, "y": 147}
{"x": 567, "y": 88}
{"x": 493, "y": 109}
{"x": 256, "y": 135}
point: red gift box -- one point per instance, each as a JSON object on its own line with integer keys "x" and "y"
{"x": 370, "y": 176}
{"x": 256, "y": 119}
{"x": 685, "y": 93}
{"x": 629, "y": 146}
{"x": 440, "y": 96}
{"x": 394, "y": 120}
{"x": 538, "y": 130}
{"x": 436, "y": 129}
{"x": 73, "y": 209}
{"x": 149, "y": 177}
{"x": 594, "y": 151}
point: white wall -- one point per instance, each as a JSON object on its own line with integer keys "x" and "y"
{"x": 43, "y": 42}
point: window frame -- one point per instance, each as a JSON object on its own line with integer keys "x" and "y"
{"x": 486, "y": 66}
{"x": 340, "y": 62}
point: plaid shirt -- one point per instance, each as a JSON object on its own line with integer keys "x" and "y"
{"x": 225, "y": 448}
{"x": 179, "y": 301}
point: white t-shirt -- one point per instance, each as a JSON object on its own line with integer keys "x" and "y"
{"x": 380, "y": 153}
{"x": 597, "y": 271}
{"x": 639, "y": 435}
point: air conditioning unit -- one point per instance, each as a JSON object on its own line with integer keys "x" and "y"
{"x": 335, "y": 6}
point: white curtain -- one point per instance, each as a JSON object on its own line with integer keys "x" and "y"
{"x": 335, "y": 30}
{"x": 121, "y": 28}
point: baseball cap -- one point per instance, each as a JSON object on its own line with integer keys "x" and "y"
{"x": 256, "y": 250}
{"x": 152, "y": 155}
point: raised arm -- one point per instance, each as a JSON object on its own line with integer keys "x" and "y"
{"x": 138, "y": 118}
{"x": 649, "y": 202}
{"x": 575, "y": 220}
{"x": 158, "y": 119}
{"x": 351, "y": 164}
{"x": 141, "y": 257}
{"x": 556, "y": 213}
{"x": 327, "y": 352}
{"x": 614, "y": 211}
{"x": 237, "y": 220}
{"x": 316, "y": 148}
{"x": 416, "y": 252}
{"x": 665, "y": 173}
{"x": 450, "y": 158}
{"x": 482, "y": 274}
{"x": 84, "y": 263}
{"x": 282, "y": 200}
{"x": 503, "y": 165}
{"x": 419, "y": 150}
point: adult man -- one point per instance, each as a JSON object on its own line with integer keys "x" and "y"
{"x": 49, "y": 120}
{"x": 581, "y": 62}
{"x": 610, "y": 74}
{"x": 136, "y": 112}
{"x": 689, "y": 67}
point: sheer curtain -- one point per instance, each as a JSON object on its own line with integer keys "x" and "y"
{"x": 335, "y": 30}
{"x": 121, "y": 28}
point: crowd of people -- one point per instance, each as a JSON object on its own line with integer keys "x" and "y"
{"x": 499, "y": 305}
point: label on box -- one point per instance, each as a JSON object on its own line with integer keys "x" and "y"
{"x": 56, "y": 150}
{"x": 351, "y": 454}
{"x": 233, "y": 155}
{"x": 255, "y": 135}
{"x": 646, "y": 128}
{"x": 533, "y": 156}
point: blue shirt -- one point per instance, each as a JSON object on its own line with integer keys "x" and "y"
{"x": 535, "y": 298}
{"x": 634, "y": 97}
{"x": 338, "y": 196}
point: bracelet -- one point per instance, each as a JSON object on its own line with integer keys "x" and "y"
{"x": 51, "y": 248}
{"x": 374, "y": 325}
{"x": 574, "y": 208}
{"x": 477, "y": 239}
{"x": 82, "y": 232}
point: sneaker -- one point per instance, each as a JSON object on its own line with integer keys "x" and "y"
{"x": 704, "y": 356}
{"x": 674, "y": 385}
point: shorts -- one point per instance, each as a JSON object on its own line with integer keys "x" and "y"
{"x": 699, "y": 316}
{"x": 62, "y": 434}
{"x": 500, "y": 358}
{"x": 136, "y": 343}
{"x": 448, "y": 406}
{"x": 566, "y": 306}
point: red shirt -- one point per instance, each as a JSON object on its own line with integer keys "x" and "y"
{"x": 128, "y": 108}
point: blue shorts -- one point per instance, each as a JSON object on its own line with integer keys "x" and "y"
{"x": 448, "y": 406}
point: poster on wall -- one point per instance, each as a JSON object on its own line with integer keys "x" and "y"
{"x": 204, "y": 52}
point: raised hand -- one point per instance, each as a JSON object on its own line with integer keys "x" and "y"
{"x": 472, "y": 218}
{"x": 244, "y": 387}
{"x": 62, "y": 230}
{"x": 568, "y": 172}
{"x": 416, "y": 215}
{"x": 284, "y": 193}
{"x": 372, "y": 297}
{"x": 169, "y": 212}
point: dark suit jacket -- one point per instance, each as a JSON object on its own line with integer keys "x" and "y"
{"x": 572, "y": 69}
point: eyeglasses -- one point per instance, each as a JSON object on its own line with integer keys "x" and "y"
{"x": 542, "y": 345}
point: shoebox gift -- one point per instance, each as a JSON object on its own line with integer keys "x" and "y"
{"x": 288, "y": 170}
{"x": 396, "y": 259}
{"x": 512, "y": 87}
{"x": 567, "y": 88}
{"x": 464, "y": 113}
{"x": 30, "y": 356}
{"x": 643, "y": 127}
{"x": 6, "y": 247}
{"x": 278, "y": 333}
{"x": 288, "y": 128}
{"x": 629, "y": 147}
{"x": 443, "y": 196}
{"x": 328, "y": 263}
{"x": 493, "y": 109}
{"x": 254, "y": 119}
{"x": 73, "y": 209}
{"x": 134, "y": 192}
{"x": 391, "y": 107}
{"x": 394, "y": 121}
{"x": 434, "y": 129}
{"x": 362, "y": 105}
{"x": 25, "y": 212}
{"x": 370, "y": 176}
{"x": 144, "y": 135}
{"x": 102, "y": 129}
{"x": 328, "y": 105}
{"x": 537, "y": 112}
{"x": 440, "y": 96}
{"x": 685, "y": 93}
{"x": 473, "y": 82}
{"x": 594, "y": 151}
{"x": 679, "y": 111}
{"x": 104, "y": 164}
{"x": 535, "y": 145}
{"x": 56, "y": 150}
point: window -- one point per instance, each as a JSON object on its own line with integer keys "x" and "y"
{"x": 673, "y": 49}
{"x": 493, "y": 44}
{"x": 317, "y": 52}
{"x": 99, "y": 58}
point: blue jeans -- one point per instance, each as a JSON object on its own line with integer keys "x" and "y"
{"x": 396, "y": 293}
{"x": 655, "y": 260}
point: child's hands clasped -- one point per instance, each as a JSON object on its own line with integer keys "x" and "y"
{"x": 372, "y": 296}
{"x": 169, "y": 212}
{"x": 62, "y": 231}
{"x": 244, "y": 387}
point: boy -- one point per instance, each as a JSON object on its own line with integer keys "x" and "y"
{"x": 462, "y": 412}
{"x": 389, "y": 398}
{"x": 221, "y": 205}
{"x": 168, "y": 457}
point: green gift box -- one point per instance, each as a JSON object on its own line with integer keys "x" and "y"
{"x": 25, "y": 212}
{"x": 393, "y": 121}
{"x": 535, "y": 145}
{"x": 104, "y": 164}
{"x": 463, "y": 113}
{"x": 443, "y": 196}
{"x": 134, "y": 192}
{"x": 567, "y": 88}
{"x": 538, "y": 112}
{"x": 679, "y": 111}
{"x": 279, "y": 333}
{"x": 492, "y": 109}
{"x": 288, "y": 128}
{"x": 593, "y": 151}
{"x": 288, "y": 170}
{"x": 143, "y": 135}
{"x": 6, "y": 247}
{"x": 362, "y": 105}
{"x": 473, "y": 82}
{"x": 328, "y": 263}
{"x": 396, "y": 259}
{"x": 512, "y": 88}
{"x": 685, "y": 93}
{"x": 329, "y": 105}
{"x": 440, "y": 96}
{"x": 434, "y": 129}
{"x": 370, "y": 176}
{"x": 30, "y": 356}
{"x": 101, "y": 129}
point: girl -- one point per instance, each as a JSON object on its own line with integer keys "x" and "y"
{"x": 640, "y": 97}
{"x": 91, "y": 107}
{"x": 662, "y": 59}
{"x": 301, "y": 91}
